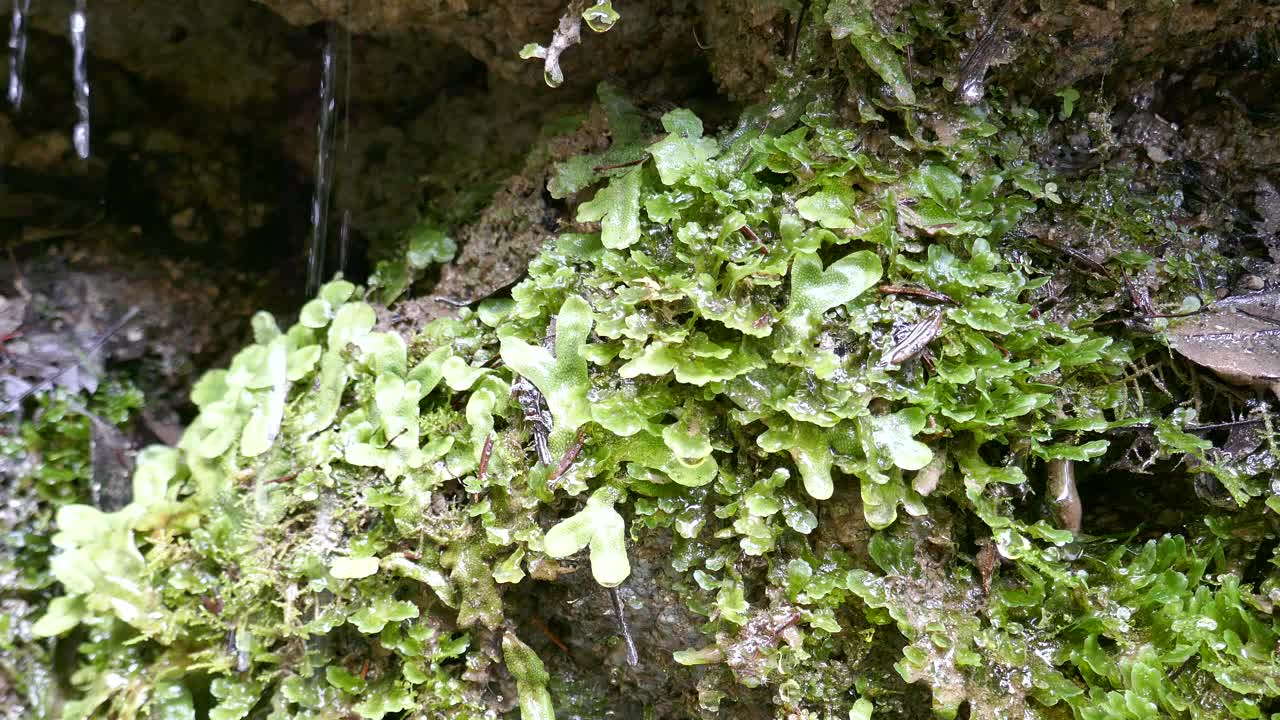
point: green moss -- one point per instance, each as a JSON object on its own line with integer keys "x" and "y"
{"x": 725, "y": 361}
{"x": 48, "y": 463}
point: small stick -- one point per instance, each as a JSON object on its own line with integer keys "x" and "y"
{"x": 552, "y": 636}
{"x": 569, "y": 455}
{"x": 1218, "y": 426}
{"x": 394, "y": 438}
{"x": 1186, "y": 428}
{"x": 633, "y": 657}
{"x": 452, "y": 302}
{"x": 484, "y": 457}
{"x": 764, "y": 128}
{"x": 1256, "y": 316}
{"x": 616, "y": 166}
{"x": 751, "y": 235}
{"x": 1179, "y": 315}
{"x": 1078, "y": 256}
{"x": 918, "y": 292}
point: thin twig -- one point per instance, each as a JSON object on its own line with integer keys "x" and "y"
{"x": 394, "y": 438}
{"x": 1218, "y": 426}
{"x": 753, "y": 237}
{"x": 616, "y": 166}
{"x": 552, "y": 636}
{"x": 1078, "y": 256}
{"x": 484, "y": 457}
{"x": 918, "y": 292}
{"x": 451, "y": 301}
{"x": 569, "y": 455}
{"x": 1188, "y": 428}
{"x": 1256, "y": 316}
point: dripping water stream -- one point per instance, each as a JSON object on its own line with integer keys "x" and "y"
{"x": 17, "y": 50}
{"x": 336, "y": 58}
{"x": 79, "y": 26}
{"x": 324, "y": 149}
{"x": 324, "y": 534}
{"x": 344, "y": 236}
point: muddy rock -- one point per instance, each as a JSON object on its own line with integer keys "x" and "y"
{"x": 1065, "y": 42}
{"x": 580, "y": 615}
{"x": 745, "y": 41}
{"x": 497, "y": 245}
{"x": 651, "y": 42}
{"x": 166, "y": 318}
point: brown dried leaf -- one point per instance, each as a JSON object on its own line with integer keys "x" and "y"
{"x": 1238, "y": 338}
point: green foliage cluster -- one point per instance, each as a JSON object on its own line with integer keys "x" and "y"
{"x": 47, "y": 462}
{"x": 722, "y": 347}
{"x": 424, "y": 245}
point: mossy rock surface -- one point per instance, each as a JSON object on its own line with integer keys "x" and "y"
{"x": 860, "y": 401}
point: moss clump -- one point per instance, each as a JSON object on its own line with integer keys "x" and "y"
{"x": 48, "y": 462}
{"x": 805, "y": 313}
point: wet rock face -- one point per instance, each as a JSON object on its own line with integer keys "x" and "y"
{"x": 210, "y": 112}
{"x": 221, "y": 55}
{"x": 1063, "y": 42}
{"x": 231, "y": 55}
{"x": 181, "y": 315}
{"x": 442, "y": 108}
{"x": 581, "y": 615}
{"x": 653, "y": 40}
{"x": 745, "y": 40}
{"x": 1066, "y": 41}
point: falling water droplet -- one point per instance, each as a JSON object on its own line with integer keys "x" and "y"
{"x": 17, "y": 50}
{"x": 320, "y": 201}
{"x": 79, "y": 24}
{"x": 345, "y": 176}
